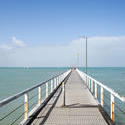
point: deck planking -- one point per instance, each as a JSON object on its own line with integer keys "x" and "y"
{"x": 81, "y": 107}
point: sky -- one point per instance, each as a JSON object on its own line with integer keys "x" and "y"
{"x": 47, "y": 32}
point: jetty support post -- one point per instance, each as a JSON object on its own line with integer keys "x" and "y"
{"x": 39, "y": 96}
{"x": 101, "y": 96}
{"x": 63, "y": 93}
{"x": 92, "y": 86}
{"x": 88, "y": 82}
{"x": 95, "y": 90}
{"x": 51, "y": 85}
{"x": 26, "y": 106}
{"x": 46, "y": 89}
{"x": 112, "y": 108}
{"x": 54, "y": 83}
{"x": 57, "y": 81}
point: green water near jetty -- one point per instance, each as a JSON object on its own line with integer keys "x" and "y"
{"x": 15, "y": 80}
{"x": 113, "y": 77}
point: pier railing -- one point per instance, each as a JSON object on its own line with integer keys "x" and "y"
{"x": 18, "y": 108}
{"x": 111, "y": 101}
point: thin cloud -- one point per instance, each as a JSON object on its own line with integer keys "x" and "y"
{"x": 6, "y": 47}
{"x": 17, "y": 42}
{"x": 102, "y": 51}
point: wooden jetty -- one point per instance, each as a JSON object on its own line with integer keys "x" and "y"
{"x": 80, "y": 106}
{"x": 69, "y": 98}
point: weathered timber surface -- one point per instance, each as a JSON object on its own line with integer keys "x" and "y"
{"x": 81, "y": 108}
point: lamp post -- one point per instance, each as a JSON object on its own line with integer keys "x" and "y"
{"x": 86, "y": 55}
{"x": 86, "y": 40}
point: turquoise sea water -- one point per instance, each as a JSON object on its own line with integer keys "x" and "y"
{"x": 15, "y": 80}
{"x": 113, "y": 77}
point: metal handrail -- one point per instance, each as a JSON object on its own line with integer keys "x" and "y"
{"x": 55, "y": 82}
{"x": 89, "y": 82}
{"x": 11, "y": 98}
{"x": 122, "y": 98}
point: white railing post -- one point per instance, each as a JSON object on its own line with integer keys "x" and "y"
{"x": 26, "y": 106}
{"x": 57, "y": 81}
{"x": 46, "y": 89}
{"x": 39, "y": 95}
{"x": 51, "y": 85}
{"x": 89, "y": 83}
{"x": 112, "y": 108}
{"x": 95, "y": 90}
{"x": 101, "y": 96}
{"x": 86, "y": 80}
{"x": 92, "y": 86}
{"x": 54, "y": 83}
{"x": 63, "y": 92}
{"x": 61, "y": 78}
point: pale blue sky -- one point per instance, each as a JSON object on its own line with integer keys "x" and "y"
{"x": 33, "y": 23}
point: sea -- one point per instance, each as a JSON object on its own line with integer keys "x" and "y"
{"x": 16, "y": 79}
{"x": 113, "y": 77}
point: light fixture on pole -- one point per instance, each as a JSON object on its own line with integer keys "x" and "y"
{"x": 85, "y": 37}
{"x": 86, "y": 67}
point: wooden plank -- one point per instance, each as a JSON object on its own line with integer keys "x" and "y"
{"x": 81, "y": 108}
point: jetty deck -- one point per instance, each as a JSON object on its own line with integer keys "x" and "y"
{"x": 81, "y": 108}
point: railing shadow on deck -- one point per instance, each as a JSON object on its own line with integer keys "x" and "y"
{"x": 23, "y": 104}
{"x": 50, "y": 110}
{"x": 109, "y": 101}
{"x": 77, "y": 105}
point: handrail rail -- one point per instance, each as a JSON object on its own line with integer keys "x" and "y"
{"x": 90, "y": 82}
{"x": 122, "y": 98}
{"x": 30, "y": 106}
{"x": 44, "y": 103}
{"x": 11, "y": 98}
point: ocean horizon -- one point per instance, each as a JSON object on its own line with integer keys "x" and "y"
{"x": 16, "y": 79}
